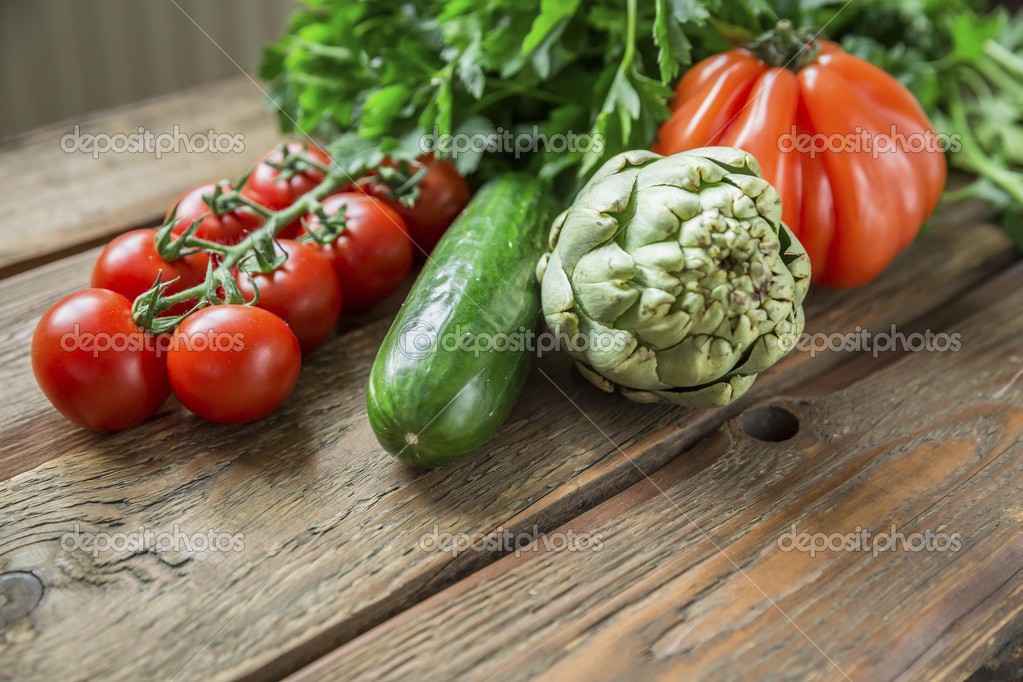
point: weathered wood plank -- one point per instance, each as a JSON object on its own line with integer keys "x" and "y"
{"x": 691, "y": 582}
{"x": 57, "y": 202}
{"x": 331, "y": 525}
{"x": 1006, "y": 665}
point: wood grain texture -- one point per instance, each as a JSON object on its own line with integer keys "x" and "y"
{"x": 55, "y": 202}
{"x": 690, "y": 581}
{"x": 331, "y": 525}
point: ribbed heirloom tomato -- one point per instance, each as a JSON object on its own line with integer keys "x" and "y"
{"x": 853, "y": 156}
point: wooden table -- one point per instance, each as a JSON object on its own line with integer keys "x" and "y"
{"x": 669, "y": 539}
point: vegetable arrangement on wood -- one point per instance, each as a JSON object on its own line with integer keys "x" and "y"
{"x": 675, "y": 274}
{"x": 217, "y": 306}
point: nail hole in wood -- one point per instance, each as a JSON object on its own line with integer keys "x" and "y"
{"x": 19, "y": 593}
{"x": 770, "y": 423}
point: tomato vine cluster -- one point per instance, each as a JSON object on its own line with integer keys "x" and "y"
{"x": 220, "y": 303}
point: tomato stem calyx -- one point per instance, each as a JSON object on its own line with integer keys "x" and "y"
{"x": 400, "y": 183}
{"x": 787, "y": 47}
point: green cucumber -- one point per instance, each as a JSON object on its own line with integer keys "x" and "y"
{"x": 438, "y": 388}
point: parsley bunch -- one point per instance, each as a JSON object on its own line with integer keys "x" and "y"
{"x": 377, "y": 76}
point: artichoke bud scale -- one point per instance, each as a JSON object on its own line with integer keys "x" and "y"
{"x": 685, "y": 262}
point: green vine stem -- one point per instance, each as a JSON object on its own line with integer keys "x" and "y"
{"x": 219, "y": 286}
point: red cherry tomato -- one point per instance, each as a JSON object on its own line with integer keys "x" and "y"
{"x": 129, "y": 265}
{"x": 443, "y": 194}
{"x": 304, "y": 292}
{"x": 373, "y": 254}
{"x": 233, "y": 363}
{"x": 94, "y": 365}
{"x": 266, "y": 187}
{"x": 227, "y": 228}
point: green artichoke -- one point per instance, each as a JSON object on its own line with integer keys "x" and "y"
{"x": 674, "y": 278}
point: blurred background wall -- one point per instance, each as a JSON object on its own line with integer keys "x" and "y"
{"x": 63, "y": 58}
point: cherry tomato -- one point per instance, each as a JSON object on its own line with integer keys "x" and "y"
{"x": 373, "y": 254}
{"x": 94, "y": 365}
{"x": 233, "y": 363}
{"x": 129, "y": 265}
{"x": 227, "y": 228}
{"x": 443, "y": 194}
{"x": 266, "y": 186}
{"x": 304, "y": 292}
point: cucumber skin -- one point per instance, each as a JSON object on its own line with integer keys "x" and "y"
{"x": 480, "y": 279}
